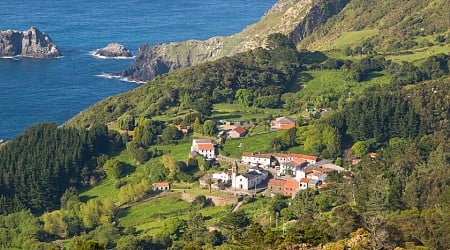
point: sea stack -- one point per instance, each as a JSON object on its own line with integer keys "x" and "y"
{"x": 113, "y": 50}
{"x": 30, "y": 43}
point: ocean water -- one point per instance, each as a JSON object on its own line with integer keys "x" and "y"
{"x": 34, "y": 90}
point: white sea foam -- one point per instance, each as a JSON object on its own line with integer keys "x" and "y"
{"x": 121, "y": 78}
{"x": 92, "y": 53}
{"x": 11, "y": 57}
{"x": 19, "y": 57}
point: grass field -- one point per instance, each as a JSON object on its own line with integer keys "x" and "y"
{"x": 103, "y": 190}
{"x": 419, "y": 56}
{"x": 255, "y": 143}
{"x": 347, "y": 38}
{"x": 238, "y": 112}
{"x": 153, "y": 210}
{"x": 160, "y": 216}
{"x": 351, "y": 37}
{"x": 323, "y": 82}
{"x": 179, "y": 151}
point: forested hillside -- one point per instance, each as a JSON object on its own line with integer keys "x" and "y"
{"x": 39, "y": 165}
{"x": 263, "y": 73}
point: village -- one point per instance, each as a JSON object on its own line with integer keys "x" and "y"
{"x": 253, "y": 173}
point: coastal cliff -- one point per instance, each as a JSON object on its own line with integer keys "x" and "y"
{"x": 30, "y": 43}
{"x": 294, "y": 18}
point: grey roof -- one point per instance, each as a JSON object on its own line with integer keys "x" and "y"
{"x": 313, "y": 181}
{"x": 251, "y": 175}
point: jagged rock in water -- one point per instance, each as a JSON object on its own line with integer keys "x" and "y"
{"x": 293, "y": 18}
{"x": 113, "y": 50}
{"x": 30, "y": 43}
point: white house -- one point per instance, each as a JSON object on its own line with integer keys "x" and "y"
{"x": 251, "y": 158}
{"x": 312, "y": 172}
{"x": 300, "y": 174}
{"x": 223, "y": 176}
{"x": 249, "y": 180}
{"x": 282, "y": 123}
{"x": 317, "y": 175}
{"x": 291, "y": 167}
{"x": 304, "y": 183}
{"x": 160, "y": 186}
{"x": 204, "y": 147}
{"x": 266, "y": 159}
{"x": 236, "y": 132}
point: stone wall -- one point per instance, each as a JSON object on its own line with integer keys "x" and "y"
{"x": 217, "y": 201}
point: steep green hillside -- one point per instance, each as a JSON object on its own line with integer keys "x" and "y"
{"x": 385, "y": 25}
{"x": 262, "y": 74}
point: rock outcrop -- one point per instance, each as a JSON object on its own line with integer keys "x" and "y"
{"x": 30, "y": 43}
{"x": 294, "y": 18}
{"x": 113, "y": 50}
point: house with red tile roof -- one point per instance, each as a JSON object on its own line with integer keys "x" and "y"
{"x": 291, "y": 187}
{"x": 160, "y": 186}
{"x": 304, "y": 183}
{"x": 236, "y": 132}
{"x": 311, "y": 159}
{"x": 204, "y": 147}
{"x": 282, "y": 123}
{"x": 276, "y": 186}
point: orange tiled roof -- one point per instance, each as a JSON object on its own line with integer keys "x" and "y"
{"x": 304, "y": 180}
{"x": 240, "y": 130}
{"x": 205, "y": 146}
{"x": 160, "y": 184}
{"x": 291, "y": 184}
{"x": 276, "y": 182}
{"x": 306, "y": 157}
{"x": 298, "y": 161}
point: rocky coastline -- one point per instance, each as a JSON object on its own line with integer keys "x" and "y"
{"x": 30, "y": 43}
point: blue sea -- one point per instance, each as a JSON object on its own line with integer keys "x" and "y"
{"x": 33, "y": 90}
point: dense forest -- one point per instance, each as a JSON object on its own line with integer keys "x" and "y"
{"x": 40, "y": 164}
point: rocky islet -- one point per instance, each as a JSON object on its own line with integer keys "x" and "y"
{"x": 113, "y": 50}
{"x": 30, "y": 43}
